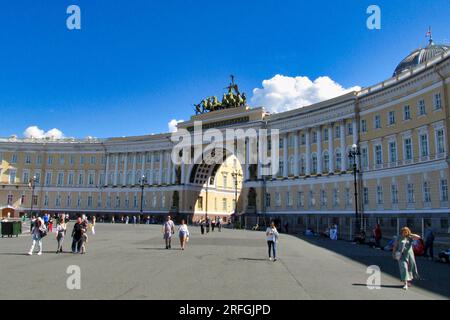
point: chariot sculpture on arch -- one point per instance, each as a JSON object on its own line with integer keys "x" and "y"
{"x": 233, "y": 98}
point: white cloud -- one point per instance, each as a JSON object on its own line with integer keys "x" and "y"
{"x": 173, "y": 125}
{"x": 37, "y": 133}
{"x": 282, "y": 93}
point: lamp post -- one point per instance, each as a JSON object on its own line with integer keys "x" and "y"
{"x": 142, "y": 182}
{"x": 235, "y": 175}
{"x": 33, "y": 186}
{"x": 353, "y": 155}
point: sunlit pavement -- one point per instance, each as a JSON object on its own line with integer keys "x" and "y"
{"x": 130, "y": 262}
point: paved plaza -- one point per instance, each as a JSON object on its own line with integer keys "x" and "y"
{"x": 129, "y": 262}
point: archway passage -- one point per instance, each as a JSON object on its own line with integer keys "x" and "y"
{"x": 214, "y": 188}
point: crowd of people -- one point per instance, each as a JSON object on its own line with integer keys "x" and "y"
{"x": 402, "y": 246}
{"x": 40, "y": 227}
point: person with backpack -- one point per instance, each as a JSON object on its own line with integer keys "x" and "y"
{"x": 38, "y": 231}
{"x": 429, "y": 242}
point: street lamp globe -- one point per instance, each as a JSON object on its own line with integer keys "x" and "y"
{"x": 354, "y": 147}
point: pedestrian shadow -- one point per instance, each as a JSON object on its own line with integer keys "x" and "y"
{"x": 12, "y": 254}
{"x": 162, "y": 249}
{"x": 252, "y": 259}
{"x": 391, "y": 286}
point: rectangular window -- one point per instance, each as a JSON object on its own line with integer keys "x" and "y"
{"x": 392, "y": 152}
{"x": 289, "y": 199}
{"x": 48, "y": 178}
{"x": 421, "y": 109}
{"x": 377, "y": 122}
{"x": 394, "y": 194}
{"x": 300, "y": 199}
{"x": 325, "y": 134}
{"x": 440, "y": 141}
{"x": 14, "y": 158}
{"x": 38, "y": 178}
{"x": 303, "y": 139}
{"x": 364, "y": 157}
{"x": 81, "y": 159}
{"x": 277, "y": 199}
{"x": 349, "y": 129}
{"x": 426, "y": 192}
{"x": 323, "y": 198}
{"x": 391, "y": 118}
{"x": 348, "y": 198}
{"x": 80, "y": 179}
{"x": 89, "y": 201}
{"x": 68, "y": 201}
{"x": 70, "y": 179}
{"x": 337, "y": 132}
{"x": 46, "y": 200}
{"x": 60, "y": 181}
{"x": 12, "y": 176}
{"x": 378, "y": 155}
{"x": 26, "y": 177}
{"x": 28, "y": 159}
{"x": 437, "y": 101}
{"x": 364, "y": 125}
{"x": 50, "y": 160}
{"x": 38, "y": 159}
{"x": 91, "y": 179}
{"x": 406, "y": 113}
{"x": 410, "y": 193}
{"x": 379, "y": 195}
{"x": 61, "y": 160}
{"x": 366, "y": 195}
{"x": 9, "y": 200}
{"x": 408, "y": 149}
{"x": 72, "y": 160}
{"x": 22, "y": 199}
{"x": 224, "y": 205}
{"x": 444, "y": 190}
{"x": 312, "y": 201}
{"x": 423, "y": 145}
{"x": 314, "y": 137}
{"x": 93, "y": 160}
{"x": 335, "y": 197}
{"x": 267, "y": 200}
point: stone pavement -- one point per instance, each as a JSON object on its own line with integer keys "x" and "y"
{"x": 129, "y": 262}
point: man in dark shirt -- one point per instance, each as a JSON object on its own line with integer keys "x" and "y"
{"x": 77, "y": 233}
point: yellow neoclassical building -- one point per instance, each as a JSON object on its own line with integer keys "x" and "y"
{"x": 400, "y": 127}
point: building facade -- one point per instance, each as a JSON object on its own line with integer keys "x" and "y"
{"x": 401, "y": 127}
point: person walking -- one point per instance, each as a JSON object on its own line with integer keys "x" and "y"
{"x": 37, "y": 233}
{"x": 77, "y": 236}
{"x": 94, "y": 219}
{"x": 377, "y": 236}
{"x": 50, "y": 224}
{"x": 61, "y": 229}
{"x": 272, "y": 239}
{"x": 134, "y": 220}
{"x": 208, "y": 225}
{"x": 219, "y": 224}
{"x": 46, "y": 219}
{"x": 403, "y": 252}
{"x": 429, "y": 242}
{"x": 183, "y": 233}
{"x": 168, "y": 231}
{"x": 202, "y": 226}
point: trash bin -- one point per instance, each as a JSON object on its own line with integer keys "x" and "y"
{"x": 11, "y": 228}
{"x": 7, "y": 227}
{"x": 17, "y": 228}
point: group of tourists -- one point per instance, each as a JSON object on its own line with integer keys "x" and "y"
{"x": 41, "y": 227}
{"x": 210, "y": 224}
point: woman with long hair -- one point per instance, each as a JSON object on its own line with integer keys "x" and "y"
{"x": 403, "y": 252}
{"x": 183, "y": 233}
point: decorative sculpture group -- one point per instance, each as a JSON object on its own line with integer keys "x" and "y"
{"x": 232, "y": 99}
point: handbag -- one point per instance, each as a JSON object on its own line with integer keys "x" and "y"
{"x": 42, "y": 233}
{"x": 397, "y": 255}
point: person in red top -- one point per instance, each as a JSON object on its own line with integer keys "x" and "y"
{"x": 377, "y": 235}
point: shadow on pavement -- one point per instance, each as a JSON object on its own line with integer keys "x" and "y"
{"x": 252, "y": 259}
{"x": 435, "y": 276}
{"x": 382, "y": 286}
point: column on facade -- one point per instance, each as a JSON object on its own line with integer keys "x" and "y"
{"x": 183, "y": 173}
{"x": 106, "y": 170}
{"x": 152, "y": 161}
{"x": 169, "y": 168}
{"x": 125, "y": 169}
{"x": 319, "y": 150}
{"x": 247, "y": 160}
{"x": 285, "y": 156}
{"x": 296, "y": 155}
{"x": 343, "y": 146}
{"x": 307, "y": 152}
{"x": 330, "y": 149}
{"x": 116, "y": 169}
{"x": 133, "y": 174}
{"x": 161, "y": 161}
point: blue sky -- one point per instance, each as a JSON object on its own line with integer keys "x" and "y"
{"x": 137, "y": 64}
